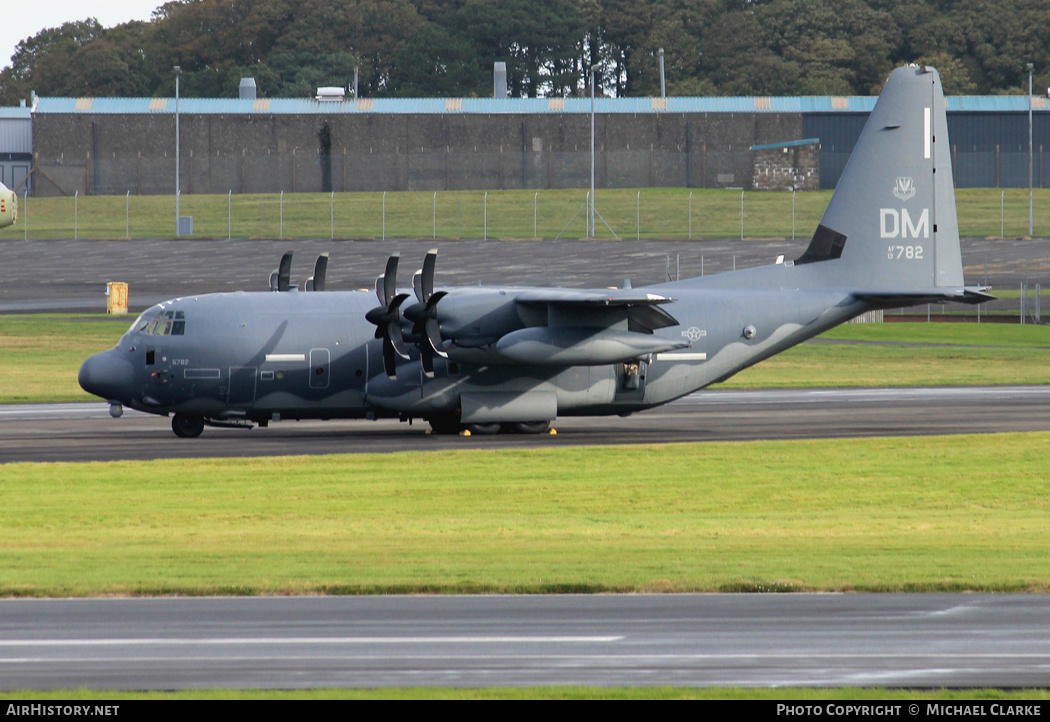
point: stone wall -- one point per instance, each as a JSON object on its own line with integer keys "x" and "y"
{"x": 787, "y": 168}
{"x": 112, "y": 154}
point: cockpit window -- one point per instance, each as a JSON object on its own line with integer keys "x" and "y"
{"x": 162, "y": 323}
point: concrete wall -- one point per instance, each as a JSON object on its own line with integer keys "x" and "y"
{"x": 111, "y": 154}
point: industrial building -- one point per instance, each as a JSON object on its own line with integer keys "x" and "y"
{"x": 113, "y": 146}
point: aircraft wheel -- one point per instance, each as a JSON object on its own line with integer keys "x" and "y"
{"x": 529, "y": 427}
{"x": 187, "y": 426}
{"x": 483, "y": 429}
{"x": 445, "y": 424}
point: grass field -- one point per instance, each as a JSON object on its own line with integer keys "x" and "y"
{"x": 673, "y": 213}
{"x": 41, "y": 354}
{"x": 895, "y": 514}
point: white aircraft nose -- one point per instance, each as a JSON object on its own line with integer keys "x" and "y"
{"x": 106, "y": 374}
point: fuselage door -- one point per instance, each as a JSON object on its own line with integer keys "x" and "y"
{"x": 320, "y": 360}
{"x": 631, "y": 380}
{"x": 242, "y": 386}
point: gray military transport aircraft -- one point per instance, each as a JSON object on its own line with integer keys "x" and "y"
{"x": 505, "y": 358}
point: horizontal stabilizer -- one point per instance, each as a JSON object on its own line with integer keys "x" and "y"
{"x": 893, "y": 299}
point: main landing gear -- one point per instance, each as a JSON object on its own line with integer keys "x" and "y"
{"x": 187, "y": 426}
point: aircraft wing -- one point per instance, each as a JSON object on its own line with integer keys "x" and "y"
{"x": 588, "y": 328}
{"x": 572, "y": 307}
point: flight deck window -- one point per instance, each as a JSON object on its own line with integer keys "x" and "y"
{"x": 165, "y": 323}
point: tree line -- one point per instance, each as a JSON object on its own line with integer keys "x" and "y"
{"x": 446, "y": 48}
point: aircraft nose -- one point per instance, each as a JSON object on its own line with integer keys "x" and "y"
{"x": 106, "y": 374}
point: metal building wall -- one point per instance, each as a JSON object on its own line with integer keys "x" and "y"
{"x": 16, "y": 146}
{"x": 989, "y": 149}
{"x": 838, "y": 133}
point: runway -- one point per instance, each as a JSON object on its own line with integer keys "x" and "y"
{"x": 758, "y": 640}
{"x": 86, "y": 432}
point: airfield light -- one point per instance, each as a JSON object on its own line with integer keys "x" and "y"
{"x": 1030, "y": 67}
{"x": 594, "y": 70}
{"x": 663, "y": 85}
{"x": 178, "y": 71}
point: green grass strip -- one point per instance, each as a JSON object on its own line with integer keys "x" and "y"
{"x": 673, "y": 213}
{"x": 894, "y": 514}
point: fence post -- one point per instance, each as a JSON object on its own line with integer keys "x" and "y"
{"x": 229, "y": 215}
{"x": 741, "y": 221}
{"x": 435, "y": 215}
{"x": 1002, "y": 201}
{"x": 25, "y": 212}
{"x": 76, "y": 200}
{"x": 485, "y": 235}
{"x": 333, "y": 214}
{"x": 127, "y": 215}
{"x": 384, "y": 215}
{"x": 282, "y": 215}
{"x": 792, "y": 212}
{"x": 638, "y": 217}
{"x": 535, "y": 200}
{"x": 690, "y": 215}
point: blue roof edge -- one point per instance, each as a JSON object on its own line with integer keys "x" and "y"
{"x": 518, "y": 106}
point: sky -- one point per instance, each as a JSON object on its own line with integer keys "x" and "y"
{"x": 24, "y": 20}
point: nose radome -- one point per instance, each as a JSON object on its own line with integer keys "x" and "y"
{"x": 106, "y": 374}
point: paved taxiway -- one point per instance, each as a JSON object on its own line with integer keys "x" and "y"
{"x": 158, "y": 269}
{"x": 86, "y": 432}
{"x": 756, "y": 640}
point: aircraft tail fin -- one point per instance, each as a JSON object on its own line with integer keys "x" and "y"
{"x": 890, "y": 229}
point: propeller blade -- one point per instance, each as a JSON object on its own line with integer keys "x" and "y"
{"x": 381, "y": 289}
{"x": 320, "y": 269}
{"x": 426, "y": 357}
{"x": 390, "y": 280}
{"x": 427, "y": 273}
{"x": 417, "y": 285}
{"x": 284, "y": 272}
{"x": 433, "y": 337}
{"x": 389, "y": 359}
{"x": 393, "y": 327}
{"x": 433, "y": 302}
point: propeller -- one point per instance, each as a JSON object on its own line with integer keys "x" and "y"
{"x": 280, "y": 277}
{"x": 316, "y": 281}
{"x": 387, "y": 317}
{"x": 425, "y": 327}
